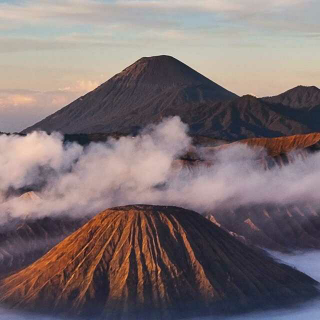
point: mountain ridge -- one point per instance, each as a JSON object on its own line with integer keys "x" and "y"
{"x": 298, "y": 97}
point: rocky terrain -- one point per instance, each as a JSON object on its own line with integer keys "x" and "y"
{"x": 153, "y": 262}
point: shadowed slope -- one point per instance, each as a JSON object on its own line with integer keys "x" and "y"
{"x": 23, "y": 242}
{"x": 158, "y": 262}
{"x": 282, "y": 228}
{"x": 298, "y": 97}
{"x": 250, "y": 117}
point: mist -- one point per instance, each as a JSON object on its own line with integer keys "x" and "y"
{"x": 74, "y": 180}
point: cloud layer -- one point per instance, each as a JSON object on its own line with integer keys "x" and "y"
{"x": 22, "y": 108}
{"x": 144, "y": 169}
{"x": 119, "y": 17}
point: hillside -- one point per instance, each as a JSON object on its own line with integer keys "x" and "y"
{"x": 154, "y": 262}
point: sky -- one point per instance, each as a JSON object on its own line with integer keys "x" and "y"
{"x": 52, "y": 52}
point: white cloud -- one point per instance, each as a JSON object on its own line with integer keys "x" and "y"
{"x": 135, "y": 12}
{"x": 16, "y": 99}
{"x": 212, "y": 5}
{"x": 130, "y": 23}
{"x": 143, "y": 170}
{"x": 82, "y": 86}
{"x": 22, "y": 108}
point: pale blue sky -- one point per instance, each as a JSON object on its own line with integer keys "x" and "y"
{"x": 68, "y": 47}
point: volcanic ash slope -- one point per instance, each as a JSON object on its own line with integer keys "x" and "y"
{"x": 153, "y": 262}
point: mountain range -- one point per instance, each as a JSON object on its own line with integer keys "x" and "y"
{"x": 157, "y": 87}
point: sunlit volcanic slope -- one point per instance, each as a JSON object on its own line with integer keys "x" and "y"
{"x": 152, "y": 262}
{"x": 283, "y": 145}
{"x": 147, "y": 91}
{"x": 23, "y": 242}
{"x": 274, "y": 151}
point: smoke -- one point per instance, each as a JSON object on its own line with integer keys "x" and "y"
{"x": 77, "y": 180}
{"x": 74, "y": 180}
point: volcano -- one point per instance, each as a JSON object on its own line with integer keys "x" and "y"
{"x": 147, "y": 91}
{"x": 152, "y": 262}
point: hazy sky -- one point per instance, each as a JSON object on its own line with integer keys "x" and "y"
{"x": 53, "y": 51}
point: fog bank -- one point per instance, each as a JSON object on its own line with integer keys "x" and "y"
{"x": 74, "y": 180}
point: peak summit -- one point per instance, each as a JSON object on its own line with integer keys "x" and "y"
{"x": 163, "y": 58}
{"x": 163, "y": 71}
{"x": 163, "y": 262}
{"x": 306, "y": 88}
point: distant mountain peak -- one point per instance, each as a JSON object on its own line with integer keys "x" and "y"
{"x": 298, "y": 97}
{"x": 246, "y": 100}
{"x": 305, "y": 87}
{"x": 249, "y": 97}
{"x": 302, "y": 90}
{"x": 160, "y": 59}
{"x": 162, "y": 71}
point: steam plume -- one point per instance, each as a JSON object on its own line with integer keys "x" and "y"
{"x": 80, "y": 181}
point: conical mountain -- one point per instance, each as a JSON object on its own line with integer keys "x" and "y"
{"x": 143, "y": 93}
{"x": 152, "y": 262}
{"x": 298, "y": 97}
